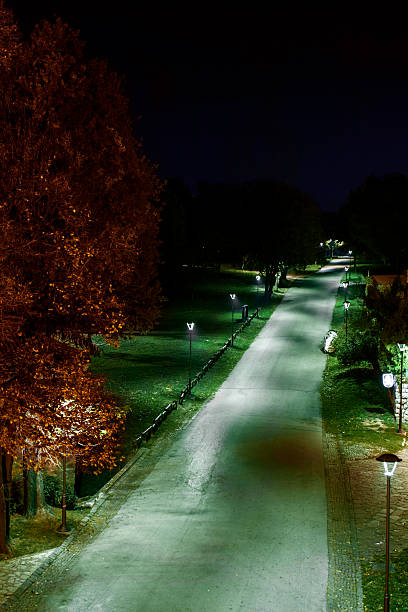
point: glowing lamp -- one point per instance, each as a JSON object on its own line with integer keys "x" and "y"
{"x": 346, "y": 268}
{"x": 190, "y": 326}
{"x": 401, "y": 346}
{"x": 329, "y": 339}
{"x": 232, "y": 296}
{"x": 350, "y": 252}
{"x": 390, "y": 463}
{"x": 346, "y": 305}
{"x": 388, "y": 380}
{"x": 258, "y": 278}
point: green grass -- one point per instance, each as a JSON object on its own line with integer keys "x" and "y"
{"x": 148, "y": 372}
{"x": 374, "y": 581}
{"x": 36, "y": 535}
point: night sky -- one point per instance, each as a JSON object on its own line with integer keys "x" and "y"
{"x": 232, "y": 92}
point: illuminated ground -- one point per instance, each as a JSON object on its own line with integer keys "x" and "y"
{"x": 233, "y": 516}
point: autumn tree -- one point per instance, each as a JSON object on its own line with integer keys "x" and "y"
{"x": 78, "y": 246}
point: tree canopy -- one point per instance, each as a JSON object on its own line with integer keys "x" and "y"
{"x": 375, "y": 215}
{"x": 79, "y": 219}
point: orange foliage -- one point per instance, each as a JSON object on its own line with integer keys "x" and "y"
{"x": 79, "y": 219}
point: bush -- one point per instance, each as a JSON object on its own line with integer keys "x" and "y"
{"x": 53, "y": 492}
{"x": 361, "y": 346}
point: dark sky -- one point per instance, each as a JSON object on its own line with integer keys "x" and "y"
{"x": 230, "y": 92}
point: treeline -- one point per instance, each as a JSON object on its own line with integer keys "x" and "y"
{"x": 374, "y": 219}
{"x": 262, "y": 225}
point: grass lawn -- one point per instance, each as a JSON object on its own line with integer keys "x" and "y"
{"x": 31, "y": 536}
{"x": 374, "y": 580}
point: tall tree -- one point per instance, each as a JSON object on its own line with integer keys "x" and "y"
{"x": 375, "y": 215}
{"x": 79, "y": 249}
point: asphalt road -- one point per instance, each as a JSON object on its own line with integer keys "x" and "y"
{"x": 233, "y": 516}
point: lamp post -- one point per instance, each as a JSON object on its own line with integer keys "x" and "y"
{"x": 190, "y": 327}
{"x": 258, "y": 279}
{"x": 233, "y": 297}
{"x": 344, "y": 284}
{"x": 346, "y": 305}
{"x": 63, "y": 527}
{"x": 402, "y": 348}
{"x": 390, "y": 463}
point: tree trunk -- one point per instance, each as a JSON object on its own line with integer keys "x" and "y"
{"x": 5, "y": 494}
{"x": 78, "y": 479}
{"x": 269, "y": 283}
{"x": 283, "y": 276}
{"x": 36, "y": 504}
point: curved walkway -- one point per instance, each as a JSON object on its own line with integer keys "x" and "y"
{"x": 231, "y": 515}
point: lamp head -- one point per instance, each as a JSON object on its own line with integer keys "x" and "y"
{"x": 388, "y": 380}
{"x": 190, "y": 326}
{"x": 401, "y": 346}
{"x": 346, "y": 268}
{"x": 346, "y": 305}
{"x": 232, "y": 296}
{"x": 258, "y": 278}
{"x": 390, "y": 462}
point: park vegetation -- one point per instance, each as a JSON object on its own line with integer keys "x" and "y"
{"x": 79, "y": 217}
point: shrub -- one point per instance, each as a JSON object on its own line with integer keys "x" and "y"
{"x": 361, "y": 346}
{"x": 53, "y": 492}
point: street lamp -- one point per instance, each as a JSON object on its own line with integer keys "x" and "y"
{"x": 346, "y": 305}
{"x": 258, "y": 279}
{"x": 190, "y": 327}
{"x": 390, "y": 463}
{"x": 63, "y": 527}
{"x": 344, "y": 284}
{"x": 233, "y": 297}
{"x": 346, "y": 269}
{"x": 388, "y": 381}
{"x": 402, "y": 347}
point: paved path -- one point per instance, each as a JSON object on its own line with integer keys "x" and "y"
{"x": 233, "y": 515}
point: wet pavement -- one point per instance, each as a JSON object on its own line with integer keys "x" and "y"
{"x": 231, "y": 514}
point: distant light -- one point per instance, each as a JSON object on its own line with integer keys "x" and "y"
{"x": 321, "y": 244}
{"x": 350, "y": 252}
{"x": 258, "y": 278}
{"x": 388, "y": 380}
{"x": 232, "y": 296}
{"x": 190, "y": 326}
{"x": 346, "y": 268}
{"x": 346, "y": 305}
{"x": 390, "y": 462}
